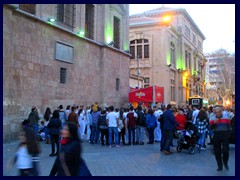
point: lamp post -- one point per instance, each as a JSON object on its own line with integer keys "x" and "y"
{"x": 138, "y": 71}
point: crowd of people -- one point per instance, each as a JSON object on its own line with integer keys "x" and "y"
{"x": 116, "y": 127}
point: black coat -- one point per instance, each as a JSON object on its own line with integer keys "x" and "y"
{"x": 54, "y": 126}
{"x": 72, "y": 157}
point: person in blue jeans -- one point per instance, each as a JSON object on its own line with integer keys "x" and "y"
{"x": 151, "y": 123}
{"x": 202, "y": 126}
{"x": 168, "y": 128}
{"x": 112, "y": 122}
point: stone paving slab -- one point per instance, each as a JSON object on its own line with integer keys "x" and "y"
{"x": 145, "y": 160}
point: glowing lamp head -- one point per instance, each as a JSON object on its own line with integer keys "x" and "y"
{"x": 166, "y": 18}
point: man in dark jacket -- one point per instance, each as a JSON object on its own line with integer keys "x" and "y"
{"x": 168, "y": 128}
{"x": 33, "y": 120}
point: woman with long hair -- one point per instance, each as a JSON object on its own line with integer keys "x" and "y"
{"x": 202, "y": 126}
{"x": 69, "y": 160}
{"x": 55, "y": 125}
{"x": 26, "y": 157}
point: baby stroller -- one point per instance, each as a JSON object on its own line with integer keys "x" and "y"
{"x": 188, "y": 138}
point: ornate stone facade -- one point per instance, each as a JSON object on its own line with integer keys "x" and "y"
{"x": 169, "y": 46}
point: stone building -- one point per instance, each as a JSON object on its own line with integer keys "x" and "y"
{"x": 62, "y": 54}
{"x": 169, "y": 47}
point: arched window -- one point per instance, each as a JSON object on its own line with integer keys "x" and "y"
{"x": 139, "y": 48}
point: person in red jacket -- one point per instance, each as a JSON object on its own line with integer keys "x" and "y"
{"x": 181, "y": 119}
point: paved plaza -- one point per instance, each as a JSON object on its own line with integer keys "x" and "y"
{"x": 145, "y": 160}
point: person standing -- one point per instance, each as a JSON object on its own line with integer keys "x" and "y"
{"x": 141, "y": 124}
{"x": 195, "y": 114}
{"x": 95, "y": 132}
{"x": 222, "y": 128}
{"x": 151, "y": 123}
{"x": 168, "y": 128}
{"x": 47, "y": 117}
{"x": 55, "y": 125}
{"x": 33, "y": 120}
{"x": 112, "y": 122}
{"x": 202, "y": 126}
{"x": 157, "y": 131}
{"x": 131, "y": 125}
{"x": 73, "y": 117}
{"x": 62, "y": 115}
{"x": 102, "y": 125}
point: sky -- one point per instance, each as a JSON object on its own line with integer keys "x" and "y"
{"x": 216, "y": 22}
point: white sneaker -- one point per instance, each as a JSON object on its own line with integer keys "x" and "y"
{"x": 203, "y": 148}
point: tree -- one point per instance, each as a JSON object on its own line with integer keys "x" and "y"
{"x": 221, "y": 75}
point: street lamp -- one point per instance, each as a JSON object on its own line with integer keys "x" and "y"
{"x": 138, "y": 71}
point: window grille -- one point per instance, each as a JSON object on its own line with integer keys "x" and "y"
{"x": 63, "y": 75}
{"x": 117, "y": 84}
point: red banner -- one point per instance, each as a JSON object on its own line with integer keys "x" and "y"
{"x": 145, "y": 95}
{"x": 159, "y": 91}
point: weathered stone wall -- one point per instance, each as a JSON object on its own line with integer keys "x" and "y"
{"x": 31, "y": 74}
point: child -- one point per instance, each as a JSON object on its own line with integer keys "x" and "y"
{"x": 26, "y": 155}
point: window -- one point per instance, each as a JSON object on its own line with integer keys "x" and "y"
{"x": 146, "y": 80}
{"x": 66, "y": 14}
{"x": 172, "y": 85}
{"x": 132, "y": 52}
{"x": 186, "y": 59}
{"x": 63, "y": 75}
{"x": 142, "y": 47}
{"x": 117, "y": 84}
{"x": 172, "y": 53}
{"x": 30, "y": 8}
{"x": 89, "y": 21}
{"x": 187, "y": 31}
{"x": 116, "y": 32}
{"x": 189, "y": 60}
{"x": 194, "y": 39}
{"x": 146, "y": 51}
{"x": 146, "y": 86}
{"x": 199, "y": 44}
{"x": 139, "y": 51}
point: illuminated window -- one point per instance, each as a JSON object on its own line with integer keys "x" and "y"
{"x": 30, "y": 8}
{"x": 66, "y": 14}
{"x": 89, "y": 21}
{"x": 116, "y": 32}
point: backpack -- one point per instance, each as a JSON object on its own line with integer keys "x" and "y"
{"x": 141, "y": 120}
{"x": 131, "y": 120}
